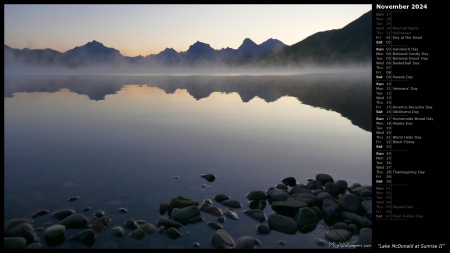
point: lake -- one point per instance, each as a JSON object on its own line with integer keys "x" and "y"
{"x": 136, "y": 141}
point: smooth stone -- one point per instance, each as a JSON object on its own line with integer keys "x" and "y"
{"x": 140, "y": 222}
{"x": 99, "y": 214}
{"x": 180, "y": 202}
{"x": 246, "y": 242}
{"x": 342, "y": 185}
{"x": 195, "y": 219}
{"x": 320, "y": 242}
{"x": 360, "y": 220}
{"x": 86, "y": 209}
{"x": 163, "y": 207}
{"x": 314, "y": 184}
{"x": 14, "y": 243}
{"x": 353, "y": 228}
{"x": 365, "y": 193}
{"x": 231, "y": 203}
{"x": 367, "y": 206}
{"x": 62, "y": 214}
{"x": 277, "y": 195}
{"x": 340, "y": 225}
{"x": 213, "y": 210}
{"x": 76, "y": 220}
{"x": 55, "y": 234}
{"x": 221, "y": 197}
{"x": 24, "y": 230}
{"x": 122, "y": 210}
{"x": 35, "y": 245}
{"x": 324, "y": 178}
{"x": 221, "y": 219}
{"x": 148, "y": 228}
{"x": 214, "y": 225}
{"x": 316, "y": 191}
{"x": 168, "y": 223}
{"x": 131, "y": 224}
{"x": 40, "y": 213}
{"x": 222, "y": 240}
{"x": 256, "y": 195}
{"x": 118, "y": 231}
{"x": 332, "y": 189}
{"x": 308, "y": 198}
{"x": 14, "y": 222}
{"x": 208, "y": 177}
{"x": 306, "y": 219}
{"x": 38, "y": 229}
{"x": 300, "y": 188}
{"x": 330, "y": 209}
{"x": 230, "y": 213}
{"x": 321, "y": 196}
{"x": 354, "y": 186}
{"x": 365, "y": 237}
{"x": 282, "y": 242}
{"x": 100, "y": 224}
{"x": 73, "y": 198}
{"x": 349, "y": 202}
{"x": 282, "y": 223}
{"x": 173, "y": 233}
{"x": 318, "y": 211}
{"x": 289, "y": 181}
{"x": 207, "y": 202}
{"x": 281, "y": 186}
{"x": 257, "y": 204}
{"x": 185, "y": 214}
{"x": 137, "y": 234}
{"x": 87, "y": 237}
{"x": 338, "y": 235}
{"x": 196, "y": 245}
{"x": 288, "y": 207}
{"x": 359, "y": 189}
{"x": 262, "y": 229}
{"x": 256, "y": 214}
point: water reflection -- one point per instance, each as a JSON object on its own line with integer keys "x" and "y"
{"x": 347, "y": 94}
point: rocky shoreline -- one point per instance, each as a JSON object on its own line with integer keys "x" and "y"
{"x": 289, "y": 207}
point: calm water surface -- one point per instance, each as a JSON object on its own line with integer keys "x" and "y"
{"x": 120, "y": 141}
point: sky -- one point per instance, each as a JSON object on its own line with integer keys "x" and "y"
{"x": 149, "y": 29}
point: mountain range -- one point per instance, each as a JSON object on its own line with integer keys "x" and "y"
{"x": 350, "y": 44}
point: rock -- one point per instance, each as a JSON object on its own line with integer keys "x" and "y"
{"x": 306, "y": 219}
{"x": 281, "y": 187}
{"x": 131, "y": 224}
{"x": 211, "y": 210}
{"x": 231, "y": 203}
{"x": 366, "y": 193}
{"x": 86, "y": 209}
{"x": 221, "y": 197}
{"x": 256, "y": 214}
{"x": 62, "y": 214}
{"x": 55, "y": 235}
{"x": 173, "y": 233}
{"x": 137, "y": 234}
{"x": 185, "y": 214}
{"x": 208, "y": 177}
{"x": 35, "y": 245}
{"x": 300, "y": 188}
{"x": 230, "y": 213}
{"x": 256, "y": 195}
{"x": 316, "y": 191}
{"x": 76, "y": 220}
{"x": 340, "y": 225}
{"x": 365, "y": 238}
{"x": 207, "y": 202}
{"x": 360, "y": 220}
{"x": 140, "y": 222}
{"x": 221, "y": 219}
{"x": 323, "y": 196}
{"x": 14, "y": 243}
{"x": 257, "y": 204}
{"x": 196, "y": 245}
{"x": 214, "y": 225}
{"x": 359, "y": 189}
{"x": 262, "y": 229}
{"x": 318, "y": 212}
{"x": 87, "y": 237}
{"x": 314, "y": 184}
{"x": 181, "y": 202}
{"x": 14, "y": 222}
{"x": 99, "y": 213}
{"x": 353, "y": 228}
{"x": 308, "y": 198}
{"x": 324, "y": 178}
{"x": 122, "y": 210}
{"x": 367, "y": 206}
{"x": 342, "y": 185}
{"x": 118, "y": 231}
{"x": 167, "y": 223}
{"x": 330, "y": 210}
{"x": 277, "y": 195}
{"x": 282, "y": 223}
{"x": 73, "y": 198}
{"x": 288, "y": 207}
{"x": 320, "y": 242}
{"x": 148, "y": 228}
{"x": 332, "y": 189}
{"x": 350, "y": 202}
{"x": 222, "y": 240}
{"x": 282, "y": 242}
{"x": 338, "y": 235}
{"x": 247, "y": 242}
{"x": 40, "y": 213}
{"x": 289, "y": 181}
{"x": 354, "y": 186}
{"x": 163, "y": 207}
{"x": 195, "y": 219}
{"x": 21, "y": 229}
{"x": 100, "y": 224}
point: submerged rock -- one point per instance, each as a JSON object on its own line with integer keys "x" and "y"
{"x": 14, "y": 243}
{"x": 76, "y": 220}
{"x": 247, "y": 242}
{"x": 214, "y": 225}
{"x": 231, "y": 203}
{"x": 221, "y": 197}
{"x": 62, "y": 214}
{"x": 230, "y": 213}
{"x": 22, "y": 228}
{"x": 180, "y": 202}
{"x": 122, "y": 210}
{"x": 40, "y": 213}
{"x": 137, "y": 234}
{"x": 163, "y": 207}
{"x": 148, "y": 228}
{"x": 222, "y": 240}
{"x": 131, "y": 224}
{"x": 118, "y": 231}
{"x": 256, "y": 195}
{"x": 282, "y": 223}
{"x": 211, "y": 210}
{"x": 100, "y": 224}
{"x": 73, "y": 198}
{"x": 168, "y": 223}
{"x": 208, "y": 177}
{"x": 338, "y": 235}
{"x": 288, "y": 207}
{"x": 306, "y": 219}
{"x": 262, "y": 229}
{"x": 185, "y": 214}
{"x": 55, "y": 234}
{"x": 86, "y": 237}
{"x": 256, "y": 214}
{"x": 173, "y": 233}
{"x": 99, "y": 213}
